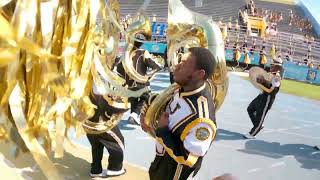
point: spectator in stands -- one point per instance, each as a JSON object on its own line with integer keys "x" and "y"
{"x": 273, "y": 30}
{"x": 237, "y": 26}
{"x": 318, "y": 67}
{"x": 309, "y": 49}
{"x": 252, "y": 7}
{"x": 288, "y": 53}
{"x": 306, "y": 59}
{"x": 230, "y": 24}
{"x": 311, "y": 39}
{"x": 305, "y": 38}
{"x": 245, "y": 44}
{"x": 310, "y": 65}
{"x": 280, "y": 17}
{"x": 290, "y": 17}
{"x": 226, "y": 46}
{"x": 263, "y": 44}
{"x": 249, "y": 32}
{"x": 253, "y": 47}
{"x": 267, "y": 31}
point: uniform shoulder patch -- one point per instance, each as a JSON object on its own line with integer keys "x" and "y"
{"x": 202, "y": 133}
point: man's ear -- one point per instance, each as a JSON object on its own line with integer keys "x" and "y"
{"x": 201, "y": 74}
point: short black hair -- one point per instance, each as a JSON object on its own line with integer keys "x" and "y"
{"x": 276, "y": 68}
{"x": 204, "y": 60}
{"x": 137, "y": 44}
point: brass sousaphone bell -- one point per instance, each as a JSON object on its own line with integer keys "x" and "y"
{"x": 257, "y": 72}
{"x": 189, "y": 29}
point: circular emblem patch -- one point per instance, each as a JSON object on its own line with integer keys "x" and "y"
{"x": 202, "y": 134}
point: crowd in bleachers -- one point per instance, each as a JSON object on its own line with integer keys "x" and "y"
{"x": 301, "y": 23}
{"x": 280, "y": 46}
{"x": 303, "y": 53}
{"x": 274, "y": 17}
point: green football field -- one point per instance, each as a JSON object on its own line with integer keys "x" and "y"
{"x": 300, "y": 89}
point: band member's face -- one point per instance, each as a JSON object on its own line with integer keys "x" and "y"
{"x": 183, "y": 72}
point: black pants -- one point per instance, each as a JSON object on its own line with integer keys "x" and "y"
{"x": 114, "y": 142}
{"x": 165, "y": 168}
{"x": 262, "y": 66}
{"x": 171, "y": 77}
{"x": 235, "y": 63}
{"x": 136, "y": 104}
{"x": 257, "y": 111}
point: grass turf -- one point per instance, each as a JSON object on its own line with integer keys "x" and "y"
{"x": 300, "y": 89}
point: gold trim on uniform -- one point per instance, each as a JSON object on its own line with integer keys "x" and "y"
{"x": 178, "y": 172}
{"x": 212, "y": 89}
{"x": 191, "y": 160}
{"x": 203, "y": 107}
{"x": 194, "y": 91}
{"x": 202, "y": 133}
{"x": 196, "y": 122}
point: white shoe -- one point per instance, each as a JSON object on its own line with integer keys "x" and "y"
{"x": 248, "y": 136}
{"x": 110, "y": 173}
{"x": 103, "y": 174}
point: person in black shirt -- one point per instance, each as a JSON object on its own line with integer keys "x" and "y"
{"x": 259, "y": 107}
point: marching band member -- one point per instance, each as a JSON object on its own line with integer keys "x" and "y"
{"x": 262, "y": 58}
{"x": 188, "y": 125}
{"x": 141, "y": 61}
{"x": 236, "y": 55}
{"x": 259, "y": 107}
{"x": 112, "y": 140}
{"x": 247, "y": 59}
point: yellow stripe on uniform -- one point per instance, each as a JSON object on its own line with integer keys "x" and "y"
{"x": 178, "y": 172}
{"x": 203, "y": 107}
{"x": 196, "y": 122}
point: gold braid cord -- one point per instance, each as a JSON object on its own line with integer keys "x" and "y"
{"x": 50, "y": 54}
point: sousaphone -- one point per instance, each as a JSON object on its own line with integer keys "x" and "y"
{"x": 255, "y": 73}
{"x": 189, "y": 29}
